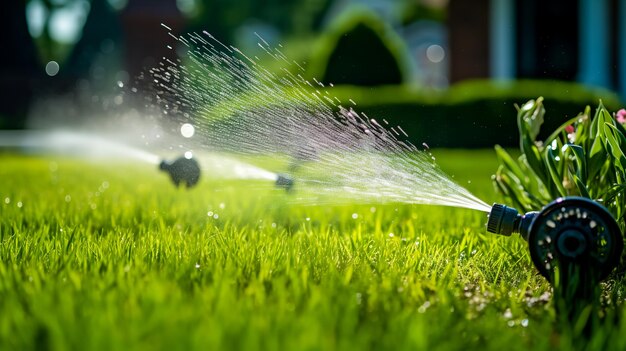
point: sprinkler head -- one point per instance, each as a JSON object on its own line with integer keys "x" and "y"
{"x": 182, "y": 170}
{"x": 284, "y": 181}
{"x": 571, "y": 231}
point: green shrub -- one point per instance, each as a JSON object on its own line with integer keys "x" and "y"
{"x": 477, "y": 114}
{"x": 360, "y": 49}
{"x": 472, "y": 114}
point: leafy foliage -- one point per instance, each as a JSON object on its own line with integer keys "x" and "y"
{"x": 583, "y": 157}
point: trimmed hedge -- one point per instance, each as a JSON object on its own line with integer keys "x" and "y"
{"x": 473, "y": 114}
{"x": 360, "y": 49}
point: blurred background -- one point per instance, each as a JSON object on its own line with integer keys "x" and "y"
{"x": 448, "y": 71}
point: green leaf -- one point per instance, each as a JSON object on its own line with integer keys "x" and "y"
{"x": 509, "y": 163}
{"x": 617, "y": 139}
{"x": 580, "y": 185}
{"x": 581, "y": 161}
{"x": 550, "y": 158}
{"x": 530, "y": 118}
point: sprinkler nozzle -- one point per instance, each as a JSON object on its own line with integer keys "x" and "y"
{"x": 182, "y": 170}
{"x": 506, "y": 220}
{"x": 285, "y": 182}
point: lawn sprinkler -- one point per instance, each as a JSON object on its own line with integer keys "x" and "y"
{"x": 574, "y": 242}
{"x": 284, "y": 181}
{"x": 184, "y": 169}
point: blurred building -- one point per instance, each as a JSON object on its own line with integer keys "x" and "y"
{"x": 582, "y": 40}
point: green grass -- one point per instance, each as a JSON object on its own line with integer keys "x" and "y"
{"x": 111, "y": 256}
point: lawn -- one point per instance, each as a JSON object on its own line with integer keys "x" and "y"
{"x": 110, "y": 256}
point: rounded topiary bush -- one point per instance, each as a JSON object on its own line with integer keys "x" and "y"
{"x": 360, "y": 49}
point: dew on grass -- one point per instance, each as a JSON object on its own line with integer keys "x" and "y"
{"x": 197, "y": 265}
{"x": 210, "y": 213}
{"x": 20, "y": 204}
{"x": 355, "y": 216}
{"x": 391, "y": 235}
{"x": 424, "y": 307}
{"x": 7, "y": 200}
{"x": 216, "y": 216}
{"x": 524, "y": 322}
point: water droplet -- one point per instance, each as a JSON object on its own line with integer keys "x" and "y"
{"x": 222, "y": 205}
{"x": 68, "y": 198}
{"x": 510, "y": 323}
{"x": 355, "y": 216}
{"x": 524, "y": 322}
{"x": 120, "y": 84}
{"x": 19, "y": 204}
{"x": 308, "y": 219}
{"x": 188, "y": 155}
{"x": 187, "y": 130}
{"x": 216, "y": 216}
{"x": 210, "y": 213}
{"x": 391, "y": 235}
{"x": 197, "y": 265}
{"x": 424, "y": 307}
{"x": 7, "y": 200}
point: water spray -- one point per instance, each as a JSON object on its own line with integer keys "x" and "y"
{"x": 184, "y": 169}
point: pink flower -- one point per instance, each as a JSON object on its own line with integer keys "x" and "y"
{"x": 620, "y": 116}
{"x": 569, "y": 129}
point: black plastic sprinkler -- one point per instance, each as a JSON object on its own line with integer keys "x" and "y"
{"x": 182, "y": 170}
{"x": 285, "y": 182}
{"x": 574, "y": 242}
{"x": 569, "y": 231}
